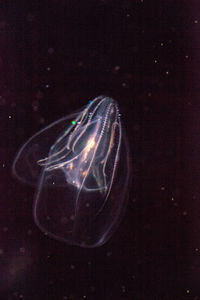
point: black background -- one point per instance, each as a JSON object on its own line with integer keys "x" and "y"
{"x": 54, "y": 57}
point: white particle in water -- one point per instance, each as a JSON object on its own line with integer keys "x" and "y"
{"x": 109, "y": 253}
{"x": 51, "y": 50}
{"x": 22, "y": 250}
{"x": 117, "y": 68}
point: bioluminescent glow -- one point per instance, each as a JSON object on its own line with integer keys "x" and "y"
{"x": 80, "y": 165}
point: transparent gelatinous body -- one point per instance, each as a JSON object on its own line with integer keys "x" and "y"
{"x": 81, "y": 167}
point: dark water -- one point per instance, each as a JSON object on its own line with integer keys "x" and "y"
{"x": 54, "y": 57}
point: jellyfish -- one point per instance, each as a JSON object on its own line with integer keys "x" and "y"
{"x": 80, "y": 166}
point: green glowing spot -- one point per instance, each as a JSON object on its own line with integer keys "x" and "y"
{"x": 73, "y": 122}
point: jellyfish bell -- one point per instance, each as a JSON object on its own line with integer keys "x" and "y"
{"x": 81, "y": 167}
